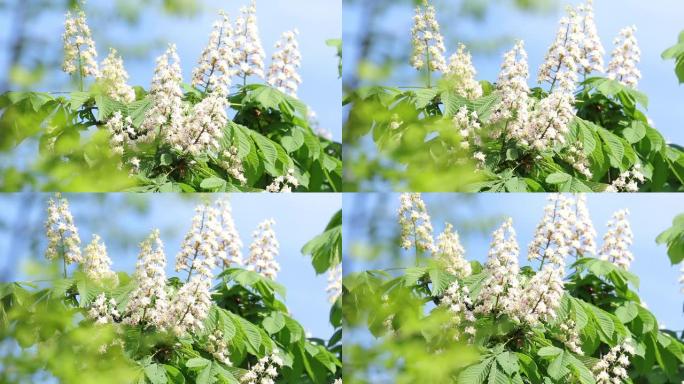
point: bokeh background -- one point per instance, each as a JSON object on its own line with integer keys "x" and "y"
{"x": 124, "y": 220}
{"x": 31, "y": 45}
{"x": 371, "y": 236}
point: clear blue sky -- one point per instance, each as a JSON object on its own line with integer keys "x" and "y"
{"x": 321, "y": 88}
{"x": 299, "y": 217}
{"x": 650, "y": 215}
{"x": 658, "y": 23}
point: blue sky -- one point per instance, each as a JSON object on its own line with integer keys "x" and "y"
{"x": 650, "y": 215}
{"x": 299, "y": 217}
{"x": 658, "y": 23}
{"x": 321, "y": 87}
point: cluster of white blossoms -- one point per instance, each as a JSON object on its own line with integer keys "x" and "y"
{"x": 415, "y": 224}
{"x": 203, "y": 126}
{"x": 576, "y": 156}
{"x": 617, "y": 240}
{"x": 232, "y": 164}
{"x": 97, "y": 264}
{"x": 200, "y": 248}
{"x": 569, "y": 336}
{"x": 249, "y": 53}
{"x": 80, "y": 55}
{"x": 456, "y": 300}
{"x": 514, "y": 106}
{"x": 218, "y": 347}
{"x": 283, "y": 184}
{"x": 428, "y": 42}
{"x": 553, "y": 235}
{"x": 462, "y": 74}
{"x": 115, "y": 78}
{"x": 166, "y": 115}
{"x": 551, "y": 117}
{"x": 542, "y": 295}
{"x": 612, "y": 368}
{"x": 103, "y": 310}
{"x": 451, "y": 254}
{"x": 565, "y": 52}
{"x": 468, "y": 127}
{"x": 334, "y": 288}
{"x": 584, "y": 240}
{"x": 62, "y": 234}
{"x": 282, "y": 74}
{"x": 190, "y": 306}
{"x": 591, "y": 59}
{"x": 625, "y": 58}
{"x": 218, "y": 59}
{"x": 500, "y": 291}
{"x": 265, "y": 371}
{"x": 121, "y": 132}
{"x": 229, "y": 240}
{"x": 263, "y": 250}
{"x": 628, "y": 181}
{"x": 148, "y": 303}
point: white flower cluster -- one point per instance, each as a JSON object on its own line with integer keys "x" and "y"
{"x": 625, "y": 58}
{"x": 190, "y": 306}
{"x": 617, "y": 240}
{"x": 265, "y": 371}
{"x": 612, "y": 368}
{"x": 575, "y": 156}
{"x": 414, "y": 220}
{"x": 148, "y": 303}
{"x": 628, "y": 181}
{"x": 202, "y": 128}
{"x": 114, "y": 77}
{"x": 103, "y": 310}
{"x": 121, "y": 132}
{"x": 283, "y": 184}
{"x": 542, "y": 295}
{"x": 232, "y": 164}
{"x": 97, "y": 263}
{"x": 468, "y": 127}
{"x": 165, "y": 118}
{"x": 334, "y": 288}
{"x": 218, "y": 59}
{"x": 569, "y": 336}
{"x": 461, "y": 73}
{"x": 500, "y": 291}
{"x": 550, "y": 119}
{"x": 554, "y": 233}
{"x": 80, "y": 55}
{"x": 584, "y": 239}
{"x": 428, "y": 43}
{"x": 565, "y": 52}
{"x": 263, "y": 250}
{"x": 451, "y": 254}
{"x": 62, "y": 234}
{"x": 218, "y": 347}
{"x": 591, "y": 59}
{"x": 249, "y": 52}
{"x": 282, "y": 73}
{"x": 514, "y": 107}
{"x": 200, "y": 248}
{"x": 456, "y": 300}
{"x": 229, "y": 239}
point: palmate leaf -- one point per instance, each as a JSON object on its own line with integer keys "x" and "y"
{"x": 326, "y": 249}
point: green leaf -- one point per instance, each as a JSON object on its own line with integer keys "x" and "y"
{"x": 627, "y": 312}
{"x": 613, "y": 146}
{"x": 213, "y": 184}
{"x": 558, "y": 178}
{"x": 156, "y": 374}
{"x": 274, "y": 323}
{"x": 266, "y": 147}
{"x": 635, "y": 132}
{"x": 197, "y": 362}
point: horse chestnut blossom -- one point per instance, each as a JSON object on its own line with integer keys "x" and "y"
{"x": 97, "y": 263}
{"x": 263, "y": 250}
{"x": 584, "y": 238}
{"x": 165, "y": 118}
{"x": 564, "y": 54}
{"x": 62, "y": 234}
{"x": 282, "y": 74}
{"x": 628, "y": 181}
{"x": 414, "y": 220}
{"x": 217, "y": 62}
{"x": 283, "y": 184}
{"x": 612, "y": 368}
{"x": 334, "y": 288}
{"x": 515, "y": 103}
{"x": 428, "y": 43}
{"x": 230, "y": 244}
{"x": 115, "y": 78}
{"x": 591, "y": 59}
{"x": 103, "y": 310}
{"x": 541, "y": 296}
{"x": 265, "y": 371}
{"x": 232, "y": 164}
{"x": 218, "y": 347}
{"x": 554, "y": 233}
{"x": 468, "y": 127}
{"x": 190, "y": 306}
{"x": 202, "y": 128}
{"x": 461, "y": 74}
{"x": 569, "y": 336}
{"x": 121, "y": 132}
{"x": 148, "y": 303}
{"x": 249, "y": 53}
{"x": 451, "y": 254}
{"x": 617, "y": 240}
{"x": 500, "y": 291}
{"x": 80, "y": 55}
{"x": 200, "y": 248}
{"x": 550, "y": 119}
{"x": 625, "y": 58}
{"x": 456, "y": 300}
